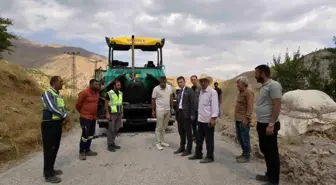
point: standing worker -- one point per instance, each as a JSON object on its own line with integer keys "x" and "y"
{"x": 267, "y": 110}
{"x": 87, "y": 104}
{"x": 219, "y": 92}
{"x": 114, "y": 113}
{"x": 162, "y": 108}
{"x": 186, "y": 109}
{"x": 207, "y": 114}
{"x": 54, "y": 114}
{"x": 243, "y": 117}
{"x": 196, "y": 88}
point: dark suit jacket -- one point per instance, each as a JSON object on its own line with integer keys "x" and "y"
{"x": 188, "y": 103}
{"x": 197, "y": 93}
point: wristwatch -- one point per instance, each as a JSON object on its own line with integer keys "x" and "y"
{"x": 271, "y": 124}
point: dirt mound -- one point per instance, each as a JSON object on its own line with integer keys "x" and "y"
{"x": 20, "y": 115}
{"x": 307, "y": 159}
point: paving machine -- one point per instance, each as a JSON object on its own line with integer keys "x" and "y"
{"x": 137, "y": 83}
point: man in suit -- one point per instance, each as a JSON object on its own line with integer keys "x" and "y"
{"x": 197, "y": 89}
{"x": 186, "y": 109}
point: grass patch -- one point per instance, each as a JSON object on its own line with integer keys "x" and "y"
{"x": 20, "y": 118}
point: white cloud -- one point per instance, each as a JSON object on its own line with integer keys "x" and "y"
{"x": 221, "y": 38}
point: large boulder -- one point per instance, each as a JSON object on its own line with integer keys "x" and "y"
{"x": 306, "y": 110}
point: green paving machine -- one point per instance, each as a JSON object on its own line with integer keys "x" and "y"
{"x": 137, "y": 83}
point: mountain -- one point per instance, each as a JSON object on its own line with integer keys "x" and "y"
{"x": 51, "y": 60}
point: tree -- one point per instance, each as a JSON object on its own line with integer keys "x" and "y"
{"x": 5, "y": 37}
{"x": 291, "y": 72}
{"x": 299, "y": 72}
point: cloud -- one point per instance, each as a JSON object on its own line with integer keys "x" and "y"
{"x": 221, "y": 38}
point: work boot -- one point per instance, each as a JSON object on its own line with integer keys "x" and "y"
{"x": 242, "y": 160}
{"x": 91, "y": 153}
{"x": 180, "y": 150}
{"x": 58, "y": 172}
{"x": 262, "y": 178}
{"x": 111, "y": 148}
{"x": 271, "y": 183}
{"x": 82, "y": 156}
{"x": 207, "y": 160}
{"x": 116, "y": 146}
{"x": 240, "y": 156}
{"x": 53, "y": 179}
{"x": 185, "y": 153}
{"x": 195, "y": 157}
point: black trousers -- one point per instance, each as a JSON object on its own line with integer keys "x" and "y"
{"x": 88, "y": 129}
{"x": 184, "y": 129}
{"x": 204, "y": 131}
{"x": 51, "y": 138}
{"x": 194, "y": 125}
{"x": 269, "y": 147}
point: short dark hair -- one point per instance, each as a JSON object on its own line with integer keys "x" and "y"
{"x": 53, "y": 80}
{"x": 194, "y": 76}
{"x": 179, "y": 78}
{"x": 163, "y": 78}
{"x": 265, "y": 69}
{"x": 92, "y": 81}
{"x": 216, "y": 83}
{"x": 115, "y": 82}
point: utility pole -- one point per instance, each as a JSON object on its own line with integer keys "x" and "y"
{"x": 96, "y": 62}
{"x": 73, "y": 73}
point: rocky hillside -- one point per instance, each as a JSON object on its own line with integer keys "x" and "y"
{"x": 51, "y": 60}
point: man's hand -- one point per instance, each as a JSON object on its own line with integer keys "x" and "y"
{"x": 108, "y": 116}
{"x": 270, "y": 129}
{"x": 244, "y": 123}
{"x": 192, "y": 118}
{"x": 172, "y": 111}
{"x": 153, "y": 114}
{"x": 66, "y": 119}
{"x": 212, "y": 122}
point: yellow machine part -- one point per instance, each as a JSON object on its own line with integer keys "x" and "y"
{"x": 138, "y": 41}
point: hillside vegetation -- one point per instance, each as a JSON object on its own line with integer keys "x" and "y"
{"x": 20, "y": 115}
{"x": 316, "y": 70}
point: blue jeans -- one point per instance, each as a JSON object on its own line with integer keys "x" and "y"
{"x": 243, "y": 135}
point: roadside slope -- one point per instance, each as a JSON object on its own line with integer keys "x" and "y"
{"x": 20, "y": 118}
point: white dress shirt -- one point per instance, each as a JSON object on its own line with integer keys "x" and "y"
{"x": 181, "y": 98}
{"x": 207, "y": 105}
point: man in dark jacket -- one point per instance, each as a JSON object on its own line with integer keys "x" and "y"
{"x": 196, "y": 88}
{"x": 186, "y": 109}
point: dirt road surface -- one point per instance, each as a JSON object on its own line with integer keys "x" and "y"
{"x": 137, "y": 163}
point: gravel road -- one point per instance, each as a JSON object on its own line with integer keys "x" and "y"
{"x": 137, "y": 163}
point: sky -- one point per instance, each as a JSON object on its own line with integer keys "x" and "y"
{"x": 222, "y": 38}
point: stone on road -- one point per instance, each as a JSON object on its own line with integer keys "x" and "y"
{"x": 137, "y": 162}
